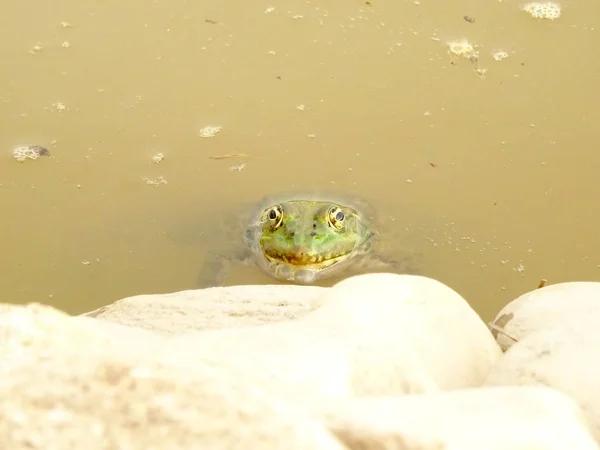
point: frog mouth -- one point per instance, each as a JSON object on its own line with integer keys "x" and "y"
{"x": 304, "y": 260}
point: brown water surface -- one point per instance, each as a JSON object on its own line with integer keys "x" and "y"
{"x": 487, "y": 169}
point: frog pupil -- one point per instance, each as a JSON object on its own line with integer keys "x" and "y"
{"x": 339, "y": 216}
{"x": 272, "y": 214}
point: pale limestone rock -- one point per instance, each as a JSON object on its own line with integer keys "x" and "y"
{"x": 564, "y": 304}
{"x": 557, "y": 343}
{"x": 219, "y": 307}
{"x": 80, "y": 383}
{"x": 505, "y": 418}
{"x": 376, "y": 334}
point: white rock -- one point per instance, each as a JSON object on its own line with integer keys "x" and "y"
{"x": 376, "y": 334}
{"x": 508, "y": 418}
{"x": 558, "y": 343}
{"x": 559, "y": 305}
{"x": 81, "y": 382}
{"x": 410, "y": 317}
{"x": 219, "y": 307}
{"x": 73, "y": 383}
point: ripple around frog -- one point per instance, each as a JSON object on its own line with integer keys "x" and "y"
{"x": 360, "y": 259}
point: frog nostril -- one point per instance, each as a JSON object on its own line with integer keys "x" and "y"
{"x": 313, "y": 234}
{"x": 292, "y": 233}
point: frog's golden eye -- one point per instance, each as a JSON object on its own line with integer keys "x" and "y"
{"x": 275, "y": 216}
{"x": 336, "y": 217}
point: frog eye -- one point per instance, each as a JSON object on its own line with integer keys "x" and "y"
{"x": 275, "y": 216}
{"x": 335, "y": 217}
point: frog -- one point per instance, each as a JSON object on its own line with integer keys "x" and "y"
{"x": 306, "y": 240}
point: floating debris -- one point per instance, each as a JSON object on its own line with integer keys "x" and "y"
{"x": 269, "y": 9}
{"x": 158, "y": 158}
{"x": 209, "y": 131}
{"x": 543, "y": 10}
{"x": 66, "y": 24}
{"x": 499, "y": 55}
{"x": 462, "y": 48}
{"x": 465, "y": 49}
{"x": 35, "y": 49}
{"x": 212, "y": 22}
{"x": 157, "y": 182}
{"x": 59, "y": 106}
{"x": 65, "y": 44}
{"x": 238, "y": 168}
{"x": 469, "y": 19}
{"x": 229, "y": 156}
{"x": 29, "y": 152}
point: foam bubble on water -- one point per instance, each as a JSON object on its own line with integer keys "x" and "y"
{"x": 543, "y": 10}
{"x": 36, "y": 49}
{"x": 155, "y": 182}
{"x": 24, "y": 152}
{"x": 209, "y": 131}
{"x": 499, "y": 55}
{"x": 462, "y": 48}
{"x": 58, "y": 106}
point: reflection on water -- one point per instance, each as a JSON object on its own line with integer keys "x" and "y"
{"x": 485, "y": 161}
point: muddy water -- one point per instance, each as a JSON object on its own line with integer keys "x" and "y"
{"x": 487, "y": 169}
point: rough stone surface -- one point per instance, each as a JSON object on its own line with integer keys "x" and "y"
{"x": 508, "y": 418}
{"x": 326, "y": 369}
{"x": 70, "y": 383}
{"x": 377, "y": 334}
{"x": 557, "y": 343}
{"x": 220, "y": 307}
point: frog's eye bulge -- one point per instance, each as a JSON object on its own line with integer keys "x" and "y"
{"x": 336, "y": 217}
{"x": 275, "y": 216}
